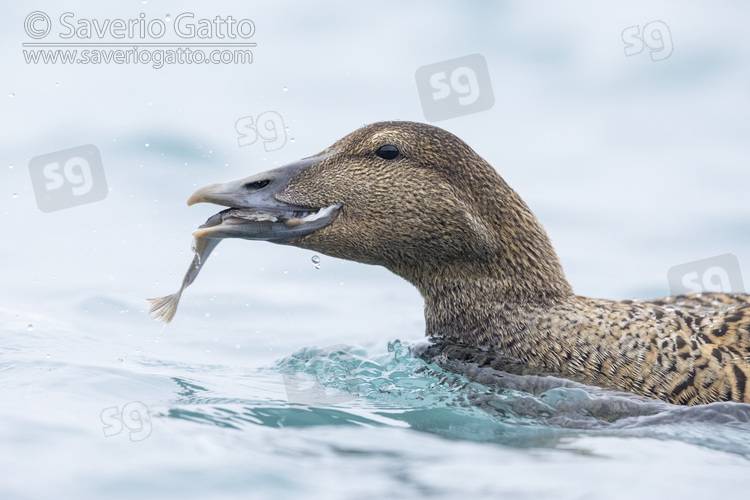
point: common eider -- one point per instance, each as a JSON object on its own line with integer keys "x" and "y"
{"x": 419, "y": 201}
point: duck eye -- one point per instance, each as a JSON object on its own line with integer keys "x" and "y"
{"x": 387, "y": 152}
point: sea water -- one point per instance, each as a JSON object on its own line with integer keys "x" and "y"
{"x": 95, "y": 406}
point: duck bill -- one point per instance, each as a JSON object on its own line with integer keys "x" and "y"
{"x": 254, "y": 211}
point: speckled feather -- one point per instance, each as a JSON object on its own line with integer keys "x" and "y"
{"x": 442, "y": 218}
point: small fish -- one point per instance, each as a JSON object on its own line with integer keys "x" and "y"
{"x": 164, "y": 308}
{"x": 246, "y": 223}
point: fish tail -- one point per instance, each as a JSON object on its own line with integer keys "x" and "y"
{"x": 164, "y": 308}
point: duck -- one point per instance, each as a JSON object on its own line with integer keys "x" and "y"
{"x": 417, "y": 200}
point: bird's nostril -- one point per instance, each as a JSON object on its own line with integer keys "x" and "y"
{"x": 252, "y": 186}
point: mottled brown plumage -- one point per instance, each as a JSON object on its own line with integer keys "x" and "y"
{"x": 441, "y": 217}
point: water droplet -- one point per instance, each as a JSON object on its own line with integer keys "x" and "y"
{"x": 285, "y": 89}
{"x": 168, "y": 17}
{"x": 57, "y": 84}
{"x": 10, "y": 167}
{"x": 291, "y": 140}
{"x": 47, "y": 356}
{"x": 11, "y": 94}
{"x": 146, "y": 144}
{"x": 15, "y": 195}
{"x": 30, "y": 327}
{"x": 316, "y": 261}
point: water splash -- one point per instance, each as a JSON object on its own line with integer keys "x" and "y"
{"x": 343, "y": 385}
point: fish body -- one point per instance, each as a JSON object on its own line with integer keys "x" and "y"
{"x": 164, "y": 308}
{"x": 245, "y": 223}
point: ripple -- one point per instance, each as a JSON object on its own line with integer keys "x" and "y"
{"x": 343, "y": 385}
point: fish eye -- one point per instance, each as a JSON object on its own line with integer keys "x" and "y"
{"x": 387, "y": 152}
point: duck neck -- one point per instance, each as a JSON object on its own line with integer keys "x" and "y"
{"x": 483, "y": 311}
{"x": 489, "y": 302}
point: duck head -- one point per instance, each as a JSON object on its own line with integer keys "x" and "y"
{"x": 408, "y": 196}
